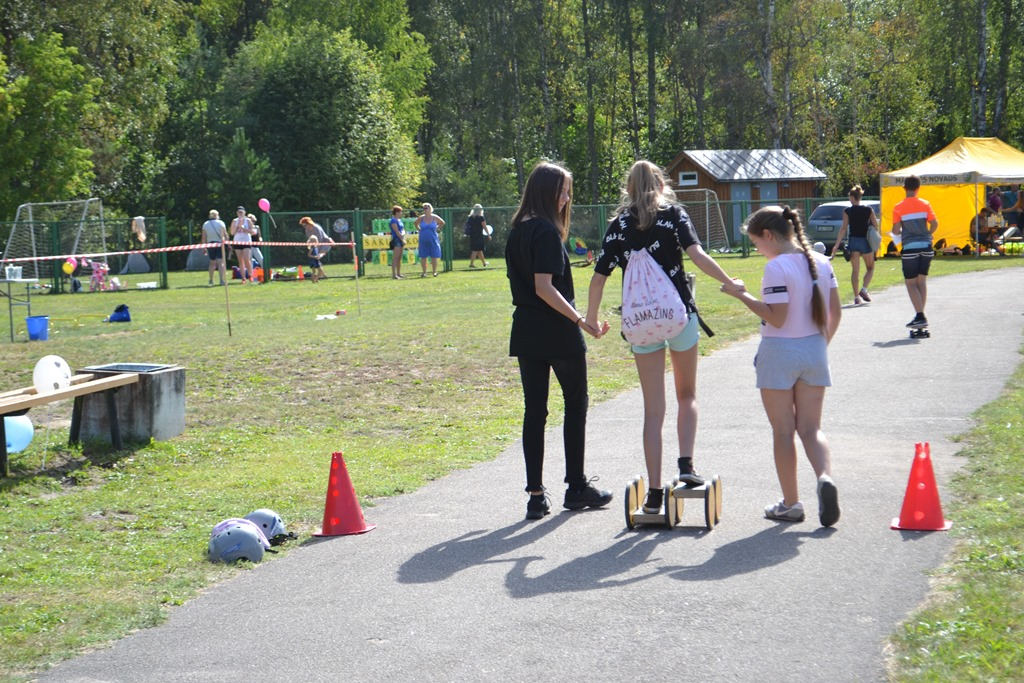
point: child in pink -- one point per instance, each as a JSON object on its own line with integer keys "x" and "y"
{"x": 800, "y": 312}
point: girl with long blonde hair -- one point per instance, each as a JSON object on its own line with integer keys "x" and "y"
{"x": 648, "y": 217}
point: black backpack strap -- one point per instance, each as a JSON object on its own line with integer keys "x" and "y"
{"x": 704, "y": 326}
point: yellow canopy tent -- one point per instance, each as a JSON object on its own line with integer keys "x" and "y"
{"x": 954, "y": 181}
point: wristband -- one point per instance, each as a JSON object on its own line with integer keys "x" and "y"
{"x": 578, "y": 321}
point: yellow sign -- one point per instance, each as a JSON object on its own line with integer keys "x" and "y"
{"x": 384, "y": 241}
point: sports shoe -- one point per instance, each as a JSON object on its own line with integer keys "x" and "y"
{"x": 856, "y": 301}
{"x": 918, "y": 321}
{"x": 538, "y": 506}
{"x": 687, "y": 474}
{"x": 864, "y": 294}
{"x": 588, "y": 496}
{"x": 828, "y": 501}
{"x": 784, "y": 513}
{"x": 652, "y": 505}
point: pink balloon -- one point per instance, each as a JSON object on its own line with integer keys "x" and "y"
{"x": 74, "y": 262}
{"x": 264, "y": 204}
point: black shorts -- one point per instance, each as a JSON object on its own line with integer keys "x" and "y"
{"x": 215, "y": 253}
{"x": 917, "y": 262}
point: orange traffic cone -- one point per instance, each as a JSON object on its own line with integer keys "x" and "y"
{"x": 342, "y": 514}
{"x": 922, "y": 510}
{"x": 301, "y": 276}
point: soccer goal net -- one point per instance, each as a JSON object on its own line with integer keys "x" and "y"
{"x": 706, "y": 213}
{"x": 53, "y": 228}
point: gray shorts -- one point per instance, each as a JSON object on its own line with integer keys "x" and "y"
{"x": 781, "y": 361}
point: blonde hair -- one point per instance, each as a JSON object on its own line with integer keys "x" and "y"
{"x": 856, "y": 192}
{"x": 644, "y": 192}
{"x": 784, "y": 223}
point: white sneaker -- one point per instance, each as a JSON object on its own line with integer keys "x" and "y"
{"x": 784, "y": 513}
{"x": 828, "y": 501}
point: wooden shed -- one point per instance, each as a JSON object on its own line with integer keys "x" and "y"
{"x": 745, "y": 179}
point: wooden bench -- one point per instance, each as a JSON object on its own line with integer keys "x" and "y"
{"x": 18, "y": 402}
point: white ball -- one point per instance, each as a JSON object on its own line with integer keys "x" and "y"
{"x": 50, "y": 374}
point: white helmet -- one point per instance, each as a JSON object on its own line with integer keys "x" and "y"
{"x": 269, "y": 523}
{"x": 236, "y": 539}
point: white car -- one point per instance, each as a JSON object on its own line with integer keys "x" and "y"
{"x": 827, "y": 219}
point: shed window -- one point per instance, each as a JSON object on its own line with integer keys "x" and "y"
{"x": 687, "y": 179}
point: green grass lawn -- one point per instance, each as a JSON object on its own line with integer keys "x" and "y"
{"x": 413, "y": 382}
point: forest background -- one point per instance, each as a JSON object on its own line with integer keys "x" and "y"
{"x": 172, "y": 107}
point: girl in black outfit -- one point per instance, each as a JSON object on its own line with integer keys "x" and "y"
{"x": 858, "y": 218}
{"x": 547, "y": 334}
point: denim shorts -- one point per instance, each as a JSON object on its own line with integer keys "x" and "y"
{"x": 781, "y": 361}
{"x": 681, "y": 342}
{"x": 860, "y": 244}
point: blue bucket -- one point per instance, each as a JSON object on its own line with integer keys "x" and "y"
{"x": 38, "y": 327}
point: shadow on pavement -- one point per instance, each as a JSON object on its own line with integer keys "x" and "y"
{"x": 773, "y": 546}
{"x": 443, "y": 560}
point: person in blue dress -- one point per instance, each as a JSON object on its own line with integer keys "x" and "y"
{"x": 429, "y": 226}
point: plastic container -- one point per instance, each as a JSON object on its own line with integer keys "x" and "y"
{"x": 38, "y": 327}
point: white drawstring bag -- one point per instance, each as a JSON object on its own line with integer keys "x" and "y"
{"x": 652, "y": 310}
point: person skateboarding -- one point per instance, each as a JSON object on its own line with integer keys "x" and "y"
{"x": 913, "y": 219}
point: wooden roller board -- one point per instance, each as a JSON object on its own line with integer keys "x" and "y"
{"x": 674, "y": 496}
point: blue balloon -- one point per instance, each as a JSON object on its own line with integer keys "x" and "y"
{"x": 19, "y": 431}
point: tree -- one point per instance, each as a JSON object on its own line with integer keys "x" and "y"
{"x": 44, "y": 97}
{"x": 315, "y": 106}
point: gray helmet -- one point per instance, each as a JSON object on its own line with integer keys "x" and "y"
{"x": 269, "y": 523}
{"x": 236, "y": 539}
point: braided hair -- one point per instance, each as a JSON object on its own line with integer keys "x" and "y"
{"x": 785, "y": 223}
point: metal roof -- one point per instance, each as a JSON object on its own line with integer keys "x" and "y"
{"x": 730, "y": 165}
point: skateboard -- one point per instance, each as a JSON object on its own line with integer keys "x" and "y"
{"x": 672, "y": 510}
{"x": 920, "y": 331}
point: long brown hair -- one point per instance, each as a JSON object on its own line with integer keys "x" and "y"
{"x": 540, "y": 196}
{"x": 784, "y": 223}
{"x": 645, "y": 191}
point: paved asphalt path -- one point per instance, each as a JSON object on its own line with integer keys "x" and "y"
{"x": 454, "y": 585}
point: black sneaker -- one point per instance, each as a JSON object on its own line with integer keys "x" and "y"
{"x": 652, "y": 505}
{"x": 918, "y": 321}
{"x": 538, "y": 506}
{"x": 687, "y": 475}
{"x": 588, "y": 496}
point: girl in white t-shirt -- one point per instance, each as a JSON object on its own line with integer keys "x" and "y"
{"x": 800, "y": 311}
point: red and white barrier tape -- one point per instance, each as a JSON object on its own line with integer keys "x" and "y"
{"x": 186, "y": 247}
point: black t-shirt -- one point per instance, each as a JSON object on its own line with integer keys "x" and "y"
{"x": 475, "y": 231}
{"x": 538, "y": 331}
{"x": 667, "y": 240}
{"x": 860, "y": 219}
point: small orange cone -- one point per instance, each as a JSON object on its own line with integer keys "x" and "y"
{"x": 301, "y": 276}
{"x": 922, "y": 510}
{"x": 342, "y": 514}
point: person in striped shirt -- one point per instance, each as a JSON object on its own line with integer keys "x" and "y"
{"x": 914, "y": 219}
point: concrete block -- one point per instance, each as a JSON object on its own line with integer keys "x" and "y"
{"x": 152, "y": 408}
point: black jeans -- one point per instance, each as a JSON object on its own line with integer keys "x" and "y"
{"x": 572, "y": 377}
